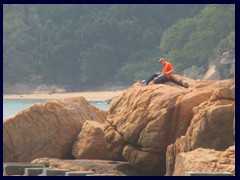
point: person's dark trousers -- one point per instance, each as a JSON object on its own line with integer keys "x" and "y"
{"x": 163, "y": 79}
{"x": 151, "y": 78}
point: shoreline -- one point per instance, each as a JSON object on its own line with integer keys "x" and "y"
{"x": 90, "y": 96}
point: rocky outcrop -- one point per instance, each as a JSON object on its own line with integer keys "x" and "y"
{"x": 145, "y": 120}
{"x": 119, "y": 168}
{"x": 205, "y": 160}
{"x": 151, "y": 127}
{"x": 211, "y": 126}
{"x": 90, "y": 143}
{"x": 227, "y": 64}
{"x": 46, "y": 130}
{"x": 194, "y": 72}
{"x": 212, "y": 73}
{"x": 221, "y": 67}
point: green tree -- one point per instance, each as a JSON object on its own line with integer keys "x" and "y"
{"x": 88, "y": 45}
{"x": 192, "y": 41}
{"x": 226, "y": 44}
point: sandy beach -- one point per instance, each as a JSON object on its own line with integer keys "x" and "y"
{"x": 92, "y": 96}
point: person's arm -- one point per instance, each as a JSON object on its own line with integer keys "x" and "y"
{"x": 169, "y": 71}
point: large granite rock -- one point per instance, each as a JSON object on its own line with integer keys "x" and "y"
{"x": 228, "y": 58}
{"x": 222, "y": 67}
{"x": 91, "y": 144}
{"x": 211, "y": 126}
{"x": 46, "y": 130}
{"x": 219, "y": 67}
{"x": 145, "y": 120}
{"x": 194, "y": 72}
{"x": 212, "y": 73}
{"x": 205, "y": 160}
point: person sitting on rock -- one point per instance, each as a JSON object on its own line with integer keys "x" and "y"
{"x": 162, "y": 77}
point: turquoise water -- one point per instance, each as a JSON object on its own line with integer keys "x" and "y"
{"x": 11, "y": 107}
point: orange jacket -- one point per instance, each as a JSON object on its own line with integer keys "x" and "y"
{"x": 167, "y": 67}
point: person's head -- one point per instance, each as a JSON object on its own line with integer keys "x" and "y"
{"x": 162, "y": 61}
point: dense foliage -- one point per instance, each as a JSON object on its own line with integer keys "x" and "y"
{"x": 85, "y": 46}
{"x": 192, "y": 41}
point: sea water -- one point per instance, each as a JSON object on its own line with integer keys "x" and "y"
{"x": 10, "y": 107}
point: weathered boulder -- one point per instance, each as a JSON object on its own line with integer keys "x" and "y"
{"x": 46, "y": 130}
{"x": 222, "y": 66}
{"x": 228, "y": 58}
{"x": 219, "y": 67}
{"x": 139, "y": 158}
{"x": 205, "y": 160}
{"x": 90, "y": 143}
{"x": 212, "y": 73}
{"x": 194, "y": 72}
{"x": 227, "y": 61}
{"x": 226, "y": 91}
{"x": 143, "y": 121}
{"x": 211, "y": 126}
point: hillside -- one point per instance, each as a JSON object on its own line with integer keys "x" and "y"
{"x": 81, "y": 47}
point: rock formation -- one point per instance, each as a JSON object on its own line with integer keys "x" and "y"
{"x": 205, "y": 160}
{"x": 90, "y": 143}
{"x": 221, "y": 67}
{"x": 46, "y": 130}
{"x": 212, "y": 73}
{"x": 194, "y": 72}
{"x": 154, "y": 128}
{"x": 145, "y": 120}
{"x": 211, "y": 126}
